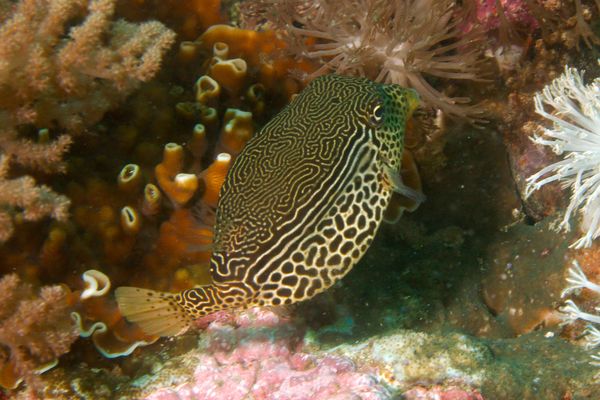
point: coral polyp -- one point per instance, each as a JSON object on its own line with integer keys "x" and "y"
{"x": 412, "y": 43}
{"x": 574, "y": 110}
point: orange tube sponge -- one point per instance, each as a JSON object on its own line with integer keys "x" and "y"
{"x": 221, "y": 50}
{"x": 243, "y": 43}
{"x": 255, "y": 95}
{"x": 179, "y": 187}
{"x": 183, "y": 237}
{"x": 208, "y": 91}
{"x": 131, "y": 222}
{"x": 130, "y": 178}
{"x": 187, "y": 50}
{"x": 208, "y": 12}
{"x": 213, "y": 178}
{"x": 197, "y": 145}
{"x": 209, "y": 118}
{"x": 152, "y": 200}
{"x": 172, "y": 159}
{"x": 237, "y": 129}
{"x": 187, "y": 110}
{"x": 231, "y": 74}
{"x": 262, "y": 51}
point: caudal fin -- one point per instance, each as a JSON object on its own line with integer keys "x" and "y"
{"x": 157, "y": 313}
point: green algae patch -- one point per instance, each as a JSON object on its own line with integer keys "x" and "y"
{"x": 530, "y": 367}
{"x": 534, "y": 366}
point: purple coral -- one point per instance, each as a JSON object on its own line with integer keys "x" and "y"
{"x": 494, "y": 14}
{"x": 260, "y": 361}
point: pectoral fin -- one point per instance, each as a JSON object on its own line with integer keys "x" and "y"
{"x": 396, "y": 181}
{"x": 406, "y": 185}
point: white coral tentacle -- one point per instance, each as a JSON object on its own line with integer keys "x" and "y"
{"x": 97, "y": 284}
{"x": 578, "y": 280}
{"x": 574, "y": 110}
{"x": 593, "y": 337}
{"x": 571, "y": 313}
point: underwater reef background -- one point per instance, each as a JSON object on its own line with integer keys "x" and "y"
{"x": 120, "y": 118}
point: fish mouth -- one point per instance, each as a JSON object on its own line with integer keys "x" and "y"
{"x": 414, "y": 100}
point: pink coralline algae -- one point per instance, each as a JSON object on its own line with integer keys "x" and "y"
{"x": 272, "y": 372}
{"x": 514, "y": 12}
{"x": 261, "y": 362}
{"x": 442, "y": 393}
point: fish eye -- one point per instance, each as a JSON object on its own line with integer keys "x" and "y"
{"x": 377, "y": 114}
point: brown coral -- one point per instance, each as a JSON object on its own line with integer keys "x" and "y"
{"x": 21, "y": 198}
{"x": 53, "y": 73}
{"x": 34, "y": 330}
{"x": 61, "y": 76}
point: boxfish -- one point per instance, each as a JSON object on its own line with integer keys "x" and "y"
{"x": 300, "y": 205}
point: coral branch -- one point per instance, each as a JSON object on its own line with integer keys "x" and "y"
{"x": 34, "y": 330}
{"x": 57, "y": 75}
{"x": 46, "y": 78}
{"x": 21, "y": 195}
{"x": 43, "y": 156}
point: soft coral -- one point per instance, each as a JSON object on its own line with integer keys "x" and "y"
{"x": 34, "y": 330}
{"x": 408, "y": 42}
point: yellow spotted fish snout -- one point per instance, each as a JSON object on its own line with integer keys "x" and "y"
{"x": 300, "y": 205}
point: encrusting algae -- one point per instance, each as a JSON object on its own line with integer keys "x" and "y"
{"x": 300, "y": 204}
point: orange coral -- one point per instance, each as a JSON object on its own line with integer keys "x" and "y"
{"x": 237, "y": 129}
{"x": 233, "y": 78}
{"x": 262, "y": 51}
{"x": 97, "y": 211}
{"x": 98, "y": 316}
{"x": 151, "y": 223}
{"x": 231, "y": 74}
{"x": 181, "y": 236}
{"x": 178, "y": 186}
{"x": 213, "y": 177}
{"x": 186, "y": 237}
{"x": 208, "y": 12}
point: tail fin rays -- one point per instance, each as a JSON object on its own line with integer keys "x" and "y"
{"x": 157, "y": 313}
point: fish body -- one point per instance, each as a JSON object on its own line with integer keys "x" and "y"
{"x": 300, "y": 205}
